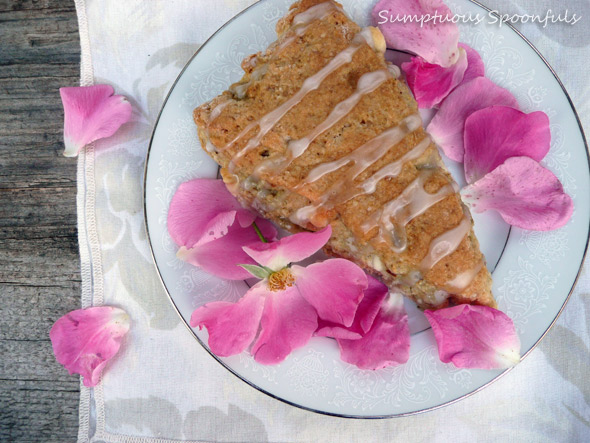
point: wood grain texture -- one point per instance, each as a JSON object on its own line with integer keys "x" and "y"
{"x": 39, "y": 263}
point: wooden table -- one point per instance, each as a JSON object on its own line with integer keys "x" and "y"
{"x": 39, "y": 263}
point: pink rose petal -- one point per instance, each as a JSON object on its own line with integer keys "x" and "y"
{"x": 448, "y": 124}
{"x": 475, "y": 66}
{"x": 497, "y": 133}
{"x": 86, "y": 339}
{"x": 222, "y": 256}
{"x": 431, "y": 83}
{"x": 231, "y": 326}
{"x": 287, "y": 323}
{"x": 291, "y": 249}
{"x": 436, "y": 42}
{"x": 475, "y": 337}
{"x": 387, "y": 342}
{"x": 334, "y": 288}
{"x": 364, "y": 317}
{"x": 524, "y": 193}
{"x": 203, "y": 207}
{"x": 335, "y": 330}
{"x": 91, "y": 113}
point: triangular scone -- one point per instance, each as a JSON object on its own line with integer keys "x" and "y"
{"x": 320, "y": 131}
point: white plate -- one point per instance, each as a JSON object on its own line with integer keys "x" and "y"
{"x": 533, "y": 272}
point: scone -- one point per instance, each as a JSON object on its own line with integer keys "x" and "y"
{"x": 321, "y": 131}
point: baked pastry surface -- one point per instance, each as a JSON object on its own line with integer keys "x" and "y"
{"x": 320, "y": 131}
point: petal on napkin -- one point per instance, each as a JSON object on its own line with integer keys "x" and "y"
{"x": 524, "y": 193}
{"x": 222, "y": 256}
{"x": 91, "y": 113}
{"x": 497, "y": 133}
{"x": 448, "y": 124}
{"x": 86, "y": 339}
{"x": 231, "y": 326}
{"x": 431, "y": 83}
{"x": 203, "y": 207}
{"x": 435, "y": 42}
{"x": 287, "y": 323}
{"x": 334, "y": 288}
{"x": 291, "y": 249}
{"x": 475, "y": 337}
{"x": 475, "y": 66}
{"x": 364, "y": 317}
{"x": 387, "y": 342}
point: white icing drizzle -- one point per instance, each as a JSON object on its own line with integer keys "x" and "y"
{"x": 464, "y": 279}
{"x": 304, "y": 19}
{"x": 216, "y": 112}
{"x": 393, "y": 169}
{"x": 440, "y": 296}
{"x": 362, "y": 158}
{"x": 367, "y": 154}
{"x": 394, "y": 70}
{"x": 366, "y": 36}
{"x": 240, "y": 89}
{"x": 209, "y": 147}
{"x": 446, "y": 244}
{"x": 268, "y": 121}
{"x": 300, "y": 24}
{"x": 299, "y": 31}
{"x": 367, "y": 83}
{"x": 396, "y": 214}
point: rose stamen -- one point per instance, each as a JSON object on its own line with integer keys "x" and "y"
{"x": 280, "y": 280}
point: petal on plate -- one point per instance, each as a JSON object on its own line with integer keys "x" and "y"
{"x": 231, "y": 326}
{"x": 291, "y": 249}
{"x": 475, "y": 66}
{"x": 86, "y": 339}
{"x": 222, "y": 256}
{"x": 475, "y": 337}
{"x": 91, "y": 113}
{"x": 497, "y": 133}
{"x": 364, "y": 317}
{"x": 524, "y": 193}
{"x": 387, "y": 342}
{"x": 334, "y": 288}
{"x": 203, "y": 207}
{"x": 448, "y": 124}
{"x": 334, "y": 330}
{"x": 432, "y": 40}
{"x": 431, "y": 83}
{"x": 371, "y": 303}
{"x": 287, "y": 323}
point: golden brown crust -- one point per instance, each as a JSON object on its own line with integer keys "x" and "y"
{"x": 271, "y": 78}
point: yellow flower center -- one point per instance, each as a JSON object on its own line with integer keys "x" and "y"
{"x": 280, "y": 280}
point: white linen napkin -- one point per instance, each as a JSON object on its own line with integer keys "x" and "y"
{"x": 163, "y": 386}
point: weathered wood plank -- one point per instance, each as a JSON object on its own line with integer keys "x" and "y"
{"x": 35, "y": 410}
{"x": 33, "y": 206}
{"x": 39, "y": 263}
{"x": 36, "y": 5}
{"x": 37, "y": 36}
{"x": 40, "y": 70}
